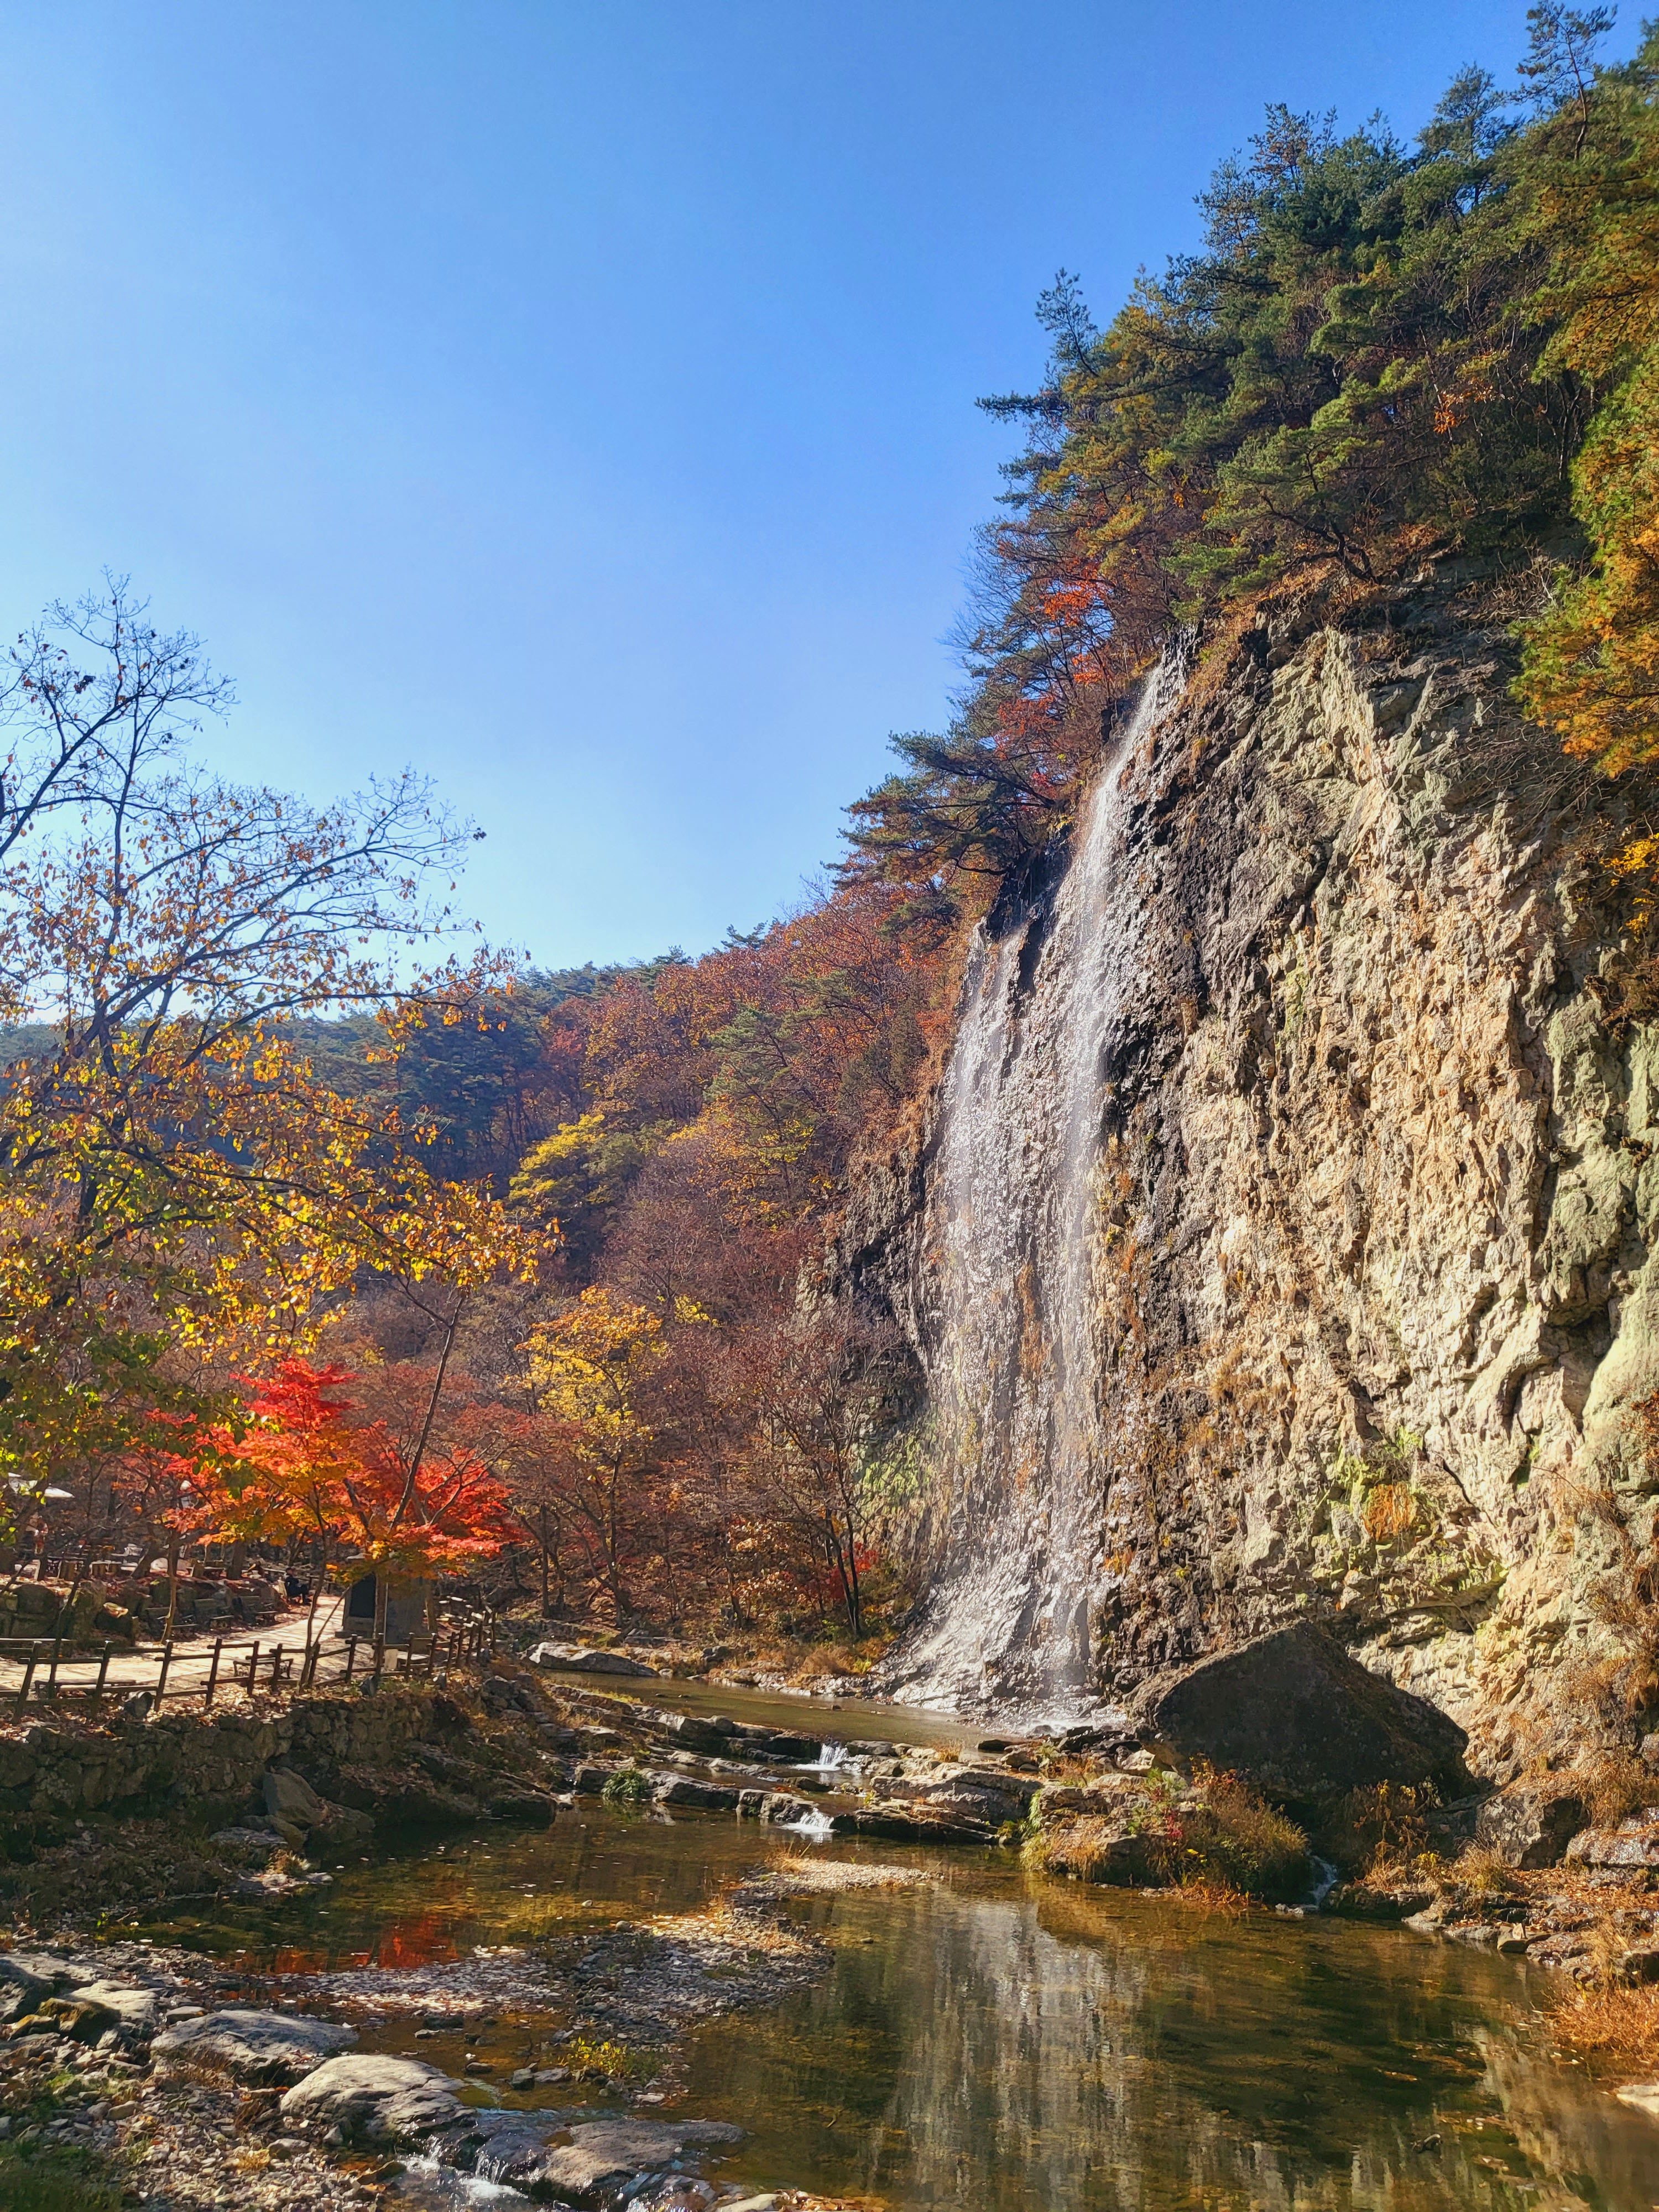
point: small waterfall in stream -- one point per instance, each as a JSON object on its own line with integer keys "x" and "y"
{"x": 1012, "y": 1237}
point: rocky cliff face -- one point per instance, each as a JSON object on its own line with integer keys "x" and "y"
{"x": 1304, "y": 1262}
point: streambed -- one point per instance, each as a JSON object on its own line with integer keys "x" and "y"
{"x": 987, "y": 2038}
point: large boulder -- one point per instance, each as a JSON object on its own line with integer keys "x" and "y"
{"x": 288, "y": 1796}
{"x": 1294, "y": 1714}
{"x": 1633, "y": 1842}
{"x": 260, "y": 2048}
{"x": 373, "y": 2099}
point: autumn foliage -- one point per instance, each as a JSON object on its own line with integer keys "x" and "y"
{"x": 315, "y": 1235}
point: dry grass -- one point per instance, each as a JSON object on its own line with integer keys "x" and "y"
{"x": 1615, "y": 1783}
{"x": 1389, "y": 1512}
{"x": 1380, "y": 1832}
{"x": 1617, "y": 2031}
{"x": 1241, "y": 1842}
{"x": 1486, "y": 1874}
{"x": 1232, "y": 1842}
{"x": 1081, "y": 1849}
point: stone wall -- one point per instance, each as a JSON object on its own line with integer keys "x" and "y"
{"x": 210, "y": 1763}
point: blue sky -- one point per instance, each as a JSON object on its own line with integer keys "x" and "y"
{"x": 576, "y": 401}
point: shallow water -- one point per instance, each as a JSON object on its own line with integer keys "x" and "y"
{"x": 857, "y": 1719}
{"x": 997, "y": 2041}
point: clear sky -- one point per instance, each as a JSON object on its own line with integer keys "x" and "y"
{"x": 574, "y": 398}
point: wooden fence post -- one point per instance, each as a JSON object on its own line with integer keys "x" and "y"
{"x": 29, "y": 1666}
{"x": 213, "y": 1671}
{"x": 351, "y": 1655}
{"x": 103, "y": 1670}
{"x": 379, "y": 1656}
{"x": 276, "y": 1668}
{"x": 166, "y": 1662}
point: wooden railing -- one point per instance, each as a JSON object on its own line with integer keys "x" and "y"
{"x": 256, "y": 1665}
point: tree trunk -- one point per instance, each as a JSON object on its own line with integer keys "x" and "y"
{"x": 173, "y": 1585}
{"x": 317, "y": 1592}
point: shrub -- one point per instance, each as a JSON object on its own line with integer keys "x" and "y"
{"x": 52, "y": 2184}
{"x": 1487, "y": 1874}
{"x": 1382, "y": 1829}
{"x": 629, "y": 1785}
{"x": 1238, "y": 1841}
{"x": 1226, "y": 1840}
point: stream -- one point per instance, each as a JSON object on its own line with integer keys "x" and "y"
{"x": 992, "y": 2040}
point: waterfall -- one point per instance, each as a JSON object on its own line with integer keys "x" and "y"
{"x": 1013, "y": 1244}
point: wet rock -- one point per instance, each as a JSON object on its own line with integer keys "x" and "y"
{"x": 584, "y": 1659}
{"x": 261, "y": 2049}
{"x": 531, "y": 1806}
{"x": 778, "y": 1809}
{"x": 607, "y": 2162}
{"x": 1293, "y": 1714}
{"x": 1357, "y": 1900}
{"x": 907, "y": 1824}
{"x": 777, "y": 1745}
{"x": 373, "y": 2099}
{"x": 1532, "y": 1822}
{"x": 258, "y": 1844}
{"x": 691, "y": 1733}
{"x": 681, "y": 1790}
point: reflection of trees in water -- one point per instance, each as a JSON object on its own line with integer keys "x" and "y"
{"x": 1602, "y": 2152}
{"x": 1063, "y": 2057}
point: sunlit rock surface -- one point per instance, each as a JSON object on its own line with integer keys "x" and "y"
{"x": 1279, "y": 1242}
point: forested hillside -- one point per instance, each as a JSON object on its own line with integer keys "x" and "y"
{"x": 526, "y": 1268}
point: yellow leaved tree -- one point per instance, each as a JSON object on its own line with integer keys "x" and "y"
{"x": 592, "y": 1367}
{"x": 178, "y": 1192}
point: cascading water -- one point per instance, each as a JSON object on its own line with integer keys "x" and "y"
{"x": 1012, "y": 1245}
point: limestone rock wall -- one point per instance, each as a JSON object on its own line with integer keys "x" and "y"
{"x": 1375, "y": 1278}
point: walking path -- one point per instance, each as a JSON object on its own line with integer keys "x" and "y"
{"x": 277, "y": 1655}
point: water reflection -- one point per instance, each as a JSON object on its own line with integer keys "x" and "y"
{"x": 1023, "y": 2051}
{"x": 992, "y": 2042}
